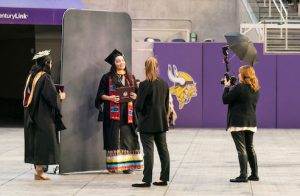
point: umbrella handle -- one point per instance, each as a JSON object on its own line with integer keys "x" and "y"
{"x": 226, "y": 64}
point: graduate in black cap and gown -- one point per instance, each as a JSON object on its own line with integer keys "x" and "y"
{"x": 119, "y": 131}
{"x": 42, "y": 118}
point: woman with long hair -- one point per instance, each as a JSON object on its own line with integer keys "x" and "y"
{"x": 152, "y": 106}
{"x": 241, "y": 119}
{"x": 119, "y": 130}
{"x": 41, "y": 116}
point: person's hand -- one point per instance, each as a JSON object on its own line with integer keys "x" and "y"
{"x": 114, "y": 98}
{"x": 62, "y": 95}
{"x": 133, "y": 95}
{"x": 226, "y": 82}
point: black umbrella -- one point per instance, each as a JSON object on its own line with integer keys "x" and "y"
{"x": 242, "y": 47}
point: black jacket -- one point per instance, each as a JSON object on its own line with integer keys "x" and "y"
{"x": 241, "y": 100}
{"x": 152, "y": 106}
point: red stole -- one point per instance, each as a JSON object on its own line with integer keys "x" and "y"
{"x": 115, "y": 107}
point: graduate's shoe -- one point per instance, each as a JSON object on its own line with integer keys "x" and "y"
{"x": 239, "y": 179}
{"x": 160, "y": 183}
{"x": 144, "y": 184}
{"x": 129, "y": 171}
{"x": 253, "y": 178}
{"x": 40, "y": 175}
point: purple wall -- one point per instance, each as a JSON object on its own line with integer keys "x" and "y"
{"x": 214, "y": 112}
{"x": 187, "y": 58}
{"x": 278, "y": 75}
{"x": 288, "y": 91}
{"x": 266, "y": 72}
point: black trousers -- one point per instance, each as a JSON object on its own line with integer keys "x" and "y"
{"x": 244, "y": 145}
{"x": 162, "y": 148}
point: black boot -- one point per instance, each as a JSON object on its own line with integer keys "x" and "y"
{"x": 253, "y": 178}
{"x": 240, "y": 144}
{"x": 253, "y": 165}
{"x": 144, "y": 184}
{"x": 160, "y": 183}
{"x": 243, "y": 161}
{"x": 239, "y": 179}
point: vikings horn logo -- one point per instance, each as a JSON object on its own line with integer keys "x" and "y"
{"x": 184, "y": 86}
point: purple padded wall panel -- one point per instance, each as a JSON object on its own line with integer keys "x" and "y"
{"x": 288, "y": 93}
{"x": 214, "y": 112}
{"x": 266, "y": 72}
{"x": 187, "y": 57}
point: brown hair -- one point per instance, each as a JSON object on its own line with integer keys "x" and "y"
{"x": 248, "y": 77}
{"x": 151, "y": 68}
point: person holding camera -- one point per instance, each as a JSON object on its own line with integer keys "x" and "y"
{"x": 241, "y": 119}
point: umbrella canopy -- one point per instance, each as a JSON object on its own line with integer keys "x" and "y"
{"x": 242, "y": 47}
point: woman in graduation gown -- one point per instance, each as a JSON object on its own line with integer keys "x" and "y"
{"x": 41, "y": 116}
{"x": 119, "y": 134}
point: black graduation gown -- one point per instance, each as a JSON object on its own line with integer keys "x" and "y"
{"x": 41, "y": 141}
{"x": 116, "y": 134}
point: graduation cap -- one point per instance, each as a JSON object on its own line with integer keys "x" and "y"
{"x": 41, "y": 54}
{"x": 113, "y": 55}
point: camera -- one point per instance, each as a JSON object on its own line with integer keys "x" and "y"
{"x": 232, "y": 79}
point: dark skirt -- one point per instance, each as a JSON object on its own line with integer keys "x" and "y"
{"x": 41, "y": 144}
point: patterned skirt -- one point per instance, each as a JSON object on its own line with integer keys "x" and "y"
{"x": 120, "y": 160}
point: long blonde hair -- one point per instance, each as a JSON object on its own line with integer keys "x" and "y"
{"x": 248, "y": 77}
{"x": 151, "y": 68}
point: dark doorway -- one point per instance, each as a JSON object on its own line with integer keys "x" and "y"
{"x": 18, "y": 43}
{"x": 16, "y": 49}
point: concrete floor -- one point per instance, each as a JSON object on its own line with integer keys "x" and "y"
{"x": 202, "y": 162}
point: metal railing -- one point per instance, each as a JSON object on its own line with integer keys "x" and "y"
{"x": 289, "y": 46}
{"x": 273, "y": 32}
{"x": 163, "y": 29}
{"x": 284, "y": 18}
{"x": 253, "y": 20}
{"x": 260, "y": 28}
